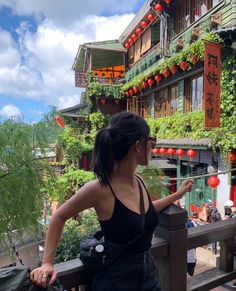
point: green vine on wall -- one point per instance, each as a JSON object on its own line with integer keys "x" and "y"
{"x": 223, "y": 138}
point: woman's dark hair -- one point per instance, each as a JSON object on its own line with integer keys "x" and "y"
{"x": 113, "y": 142}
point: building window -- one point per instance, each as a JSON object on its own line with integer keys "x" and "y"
{"x": 189, "y": 11}
{"x": 196, "y": 93}
{"x": 161, "y": 100}
{"x": 174, "y": 103}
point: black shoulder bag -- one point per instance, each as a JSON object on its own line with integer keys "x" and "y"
{"x": 97, "y": 254}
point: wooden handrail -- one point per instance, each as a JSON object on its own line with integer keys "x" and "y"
{"x": 170, "y": 249}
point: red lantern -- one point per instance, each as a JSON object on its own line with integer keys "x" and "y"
{"x": 158, "y": 78}
{"x": 131, "y": 92}
{"x": 163, "y": 151}
{"x": 135, "y": 89}
{"x": 155, "y": 151}
{"x": 127, "y": 93}
{"x": 158, "y": 8}
{"x": 151, "y": 17}
{"x": 139, "y": 30}
{"x": 171, "y": 152}
{"x": 134, "y": 36}
{"x": 179, "y": 152}
{"x": 130, "y": 41}
{"x": 167, "y": 2}
{"x": 144, "y": 24}
{"x": 144, "y": 84}
{"x": 127, "y": 45}
{"x": 183, "y": 65}
{"x": 150, "y": 82}
{"x": 60, "y": 121}
{"x": 166, "y": 73}
{"x": 103, "y": 101}
{"x": 191, "y": 153}
{"x": 174, "y": 69}
{"x": 213, "y": 182}
{"x": 232, "y": 157}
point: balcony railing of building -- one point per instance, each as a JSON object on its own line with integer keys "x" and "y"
{"x": 169, "y": 248}
{"x": 146, "y": 61}
{"x": 105, "y": 80}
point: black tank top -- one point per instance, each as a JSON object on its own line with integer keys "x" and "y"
{"x": 125, "y": 224}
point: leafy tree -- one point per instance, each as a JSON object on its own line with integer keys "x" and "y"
{"x": 23, "y": 168}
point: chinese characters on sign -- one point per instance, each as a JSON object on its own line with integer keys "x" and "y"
{"x": 212, "y": 84}
{"x": 80, "y": 79}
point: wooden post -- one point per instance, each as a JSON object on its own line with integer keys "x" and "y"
{"x": 227, "y": 255}
{"x": 173, "y": 268}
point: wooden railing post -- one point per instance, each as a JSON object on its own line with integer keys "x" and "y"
{"x": 227, "y": 255}
{"x": 173, "y": 268}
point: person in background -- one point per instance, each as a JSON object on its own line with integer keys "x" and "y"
{"x": 119, "y": 148}
{"x": 191, "y": 254}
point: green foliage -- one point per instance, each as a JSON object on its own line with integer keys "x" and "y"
{"x": 75, "y": 144}
{"x": 152, "y": 177}
{"x": 63, "y": 187}
{"x": 98, "y": 121}
{"x": 74, "y": 232}
{"x": 22, "y": 173}
{"x": 96, "y": 90}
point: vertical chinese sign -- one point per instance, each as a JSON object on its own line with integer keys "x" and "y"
{"x": 212, "y": 61}
{"x": 80, "y": 79}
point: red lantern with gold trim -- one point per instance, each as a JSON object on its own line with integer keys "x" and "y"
{"x": 134, "y": 37}
{"x": 151, "y": 17}
{"x": 131, "y": 92}
{"x": 144, "y": 24}
{"x": 179, "y": 152}
{"x": 171, "y": 151}
{"x": 166, "y": 73}
{"x": 139, "y": 30}
{"x": 167, "y": 2}
{"x": 136, "y": 89}
{"x": 130, "y": 41}
{"x": 191, "y": 153}
{"x": 213, "y": 182}
{"x": 158, "y": 7}
{"x": 158, "y": 78}
{"x": 163, "y": 151}
{"x": 127, "y": 93}
{"x": 127, "y": 45}
{"x": 155, "y": 151}
{"x": 144, "y": 84}
{"x": 150, "y": 82}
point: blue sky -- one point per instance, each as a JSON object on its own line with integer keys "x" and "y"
{"x": 38, "y": 42}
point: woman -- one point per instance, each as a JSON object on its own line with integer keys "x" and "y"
{"x": 119, "y": 148}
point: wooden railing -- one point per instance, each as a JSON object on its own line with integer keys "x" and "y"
{"x": 169, "y": 248}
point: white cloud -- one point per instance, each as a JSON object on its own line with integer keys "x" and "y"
{"x": 10, "y": 111}
{"x": 39, "y": 66}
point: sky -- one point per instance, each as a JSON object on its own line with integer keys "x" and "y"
{"x": 39, "y": 40}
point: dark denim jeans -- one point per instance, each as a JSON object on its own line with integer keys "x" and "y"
{"x": 128, "y": 273}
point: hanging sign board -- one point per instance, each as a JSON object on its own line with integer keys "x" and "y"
{"x": 80, "y": 79}
{"x": 212, "y": 62}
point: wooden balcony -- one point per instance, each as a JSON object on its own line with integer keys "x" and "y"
{"x": 170, "y": 250}
{"x": 111, "y": 81}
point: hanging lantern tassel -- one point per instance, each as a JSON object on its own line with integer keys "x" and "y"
{"x": 213, "y": 182}
{"x": 60, "y": 121}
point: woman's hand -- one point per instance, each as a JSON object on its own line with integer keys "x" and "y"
{"x": 44, "y": 275}
{"x": 186, "y": 186}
